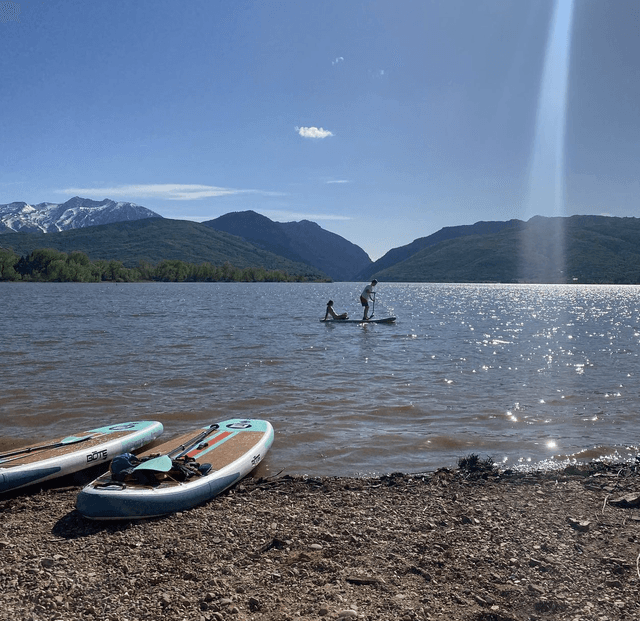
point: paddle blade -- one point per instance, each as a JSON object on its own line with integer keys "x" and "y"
{"x": 157, "y": 464}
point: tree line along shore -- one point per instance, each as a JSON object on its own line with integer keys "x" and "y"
{"x": 48, "y": 265}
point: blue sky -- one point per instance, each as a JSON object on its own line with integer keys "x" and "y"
{"x": 381, "y": 120}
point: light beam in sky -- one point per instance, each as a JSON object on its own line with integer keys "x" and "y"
{"x": 543, "y": 243}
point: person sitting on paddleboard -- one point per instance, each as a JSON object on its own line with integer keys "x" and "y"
{"x": 333, "y": 313}
{"x": 367, "y": 294}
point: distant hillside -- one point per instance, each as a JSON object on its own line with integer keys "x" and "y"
{"x": 154, "y": 240}
{"x": 298, "y": 241}
{"x": 396, "y": 255}
{"x": 578, "y": 249}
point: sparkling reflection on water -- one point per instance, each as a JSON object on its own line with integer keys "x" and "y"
{"x": 520, "y": 373}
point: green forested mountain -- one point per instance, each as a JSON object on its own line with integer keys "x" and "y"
{"x": 578, "y": 249}
{"x": 298, "y": 241}
{"x": 396, "y": 255}
{"x": 157, "y": 239}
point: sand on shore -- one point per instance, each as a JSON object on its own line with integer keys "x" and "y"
{"x": 455, "y": 545}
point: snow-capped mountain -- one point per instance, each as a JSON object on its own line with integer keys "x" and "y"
{"x": 76, "y": 213}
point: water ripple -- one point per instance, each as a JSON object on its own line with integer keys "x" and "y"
{"x": 526, "y": 374}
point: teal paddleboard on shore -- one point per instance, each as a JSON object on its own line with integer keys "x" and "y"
{"x": 179, "y": 474}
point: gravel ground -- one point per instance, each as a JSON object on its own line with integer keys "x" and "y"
{"x": 471, "y": 544}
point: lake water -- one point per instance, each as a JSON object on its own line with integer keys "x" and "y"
{"x": 529, "y": 375}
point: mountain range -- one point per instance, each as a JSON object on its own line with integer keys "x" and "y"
{"x": 300, "y": 247}
{"x": 152, "y": 240}
{"x": 73, "y": 214}
{"x": 578, "y": 249}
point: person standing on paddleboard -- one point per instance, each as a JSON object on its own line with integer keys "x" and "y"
{"x": 367, "y": 294}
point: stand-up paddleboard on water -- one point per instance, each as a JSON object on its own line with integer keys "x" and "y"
{"x": 179, "y": 474}
{"x": 382, "y": 320}
{"x": 331, "y": 316}
{"x": 48, "y": 460}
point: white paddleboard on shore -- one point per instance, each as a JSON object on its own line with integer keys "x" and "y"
{"x": 40, "y": 462}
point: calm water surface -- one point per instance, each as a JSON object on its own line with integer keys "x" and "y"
{"x": 527, "y": 375}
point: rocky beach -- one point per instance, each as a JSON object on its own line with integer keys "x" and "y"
{"x": 466, "y": 544}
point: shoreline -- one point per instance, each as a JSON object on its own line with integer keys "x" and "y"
{"x": 472, "y": 544}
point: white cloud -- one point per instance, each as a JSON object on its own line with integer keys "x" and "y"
{"x": 288, "y": 216}
{"x": 313, "y": 132}
{"x": 167, "y": 191}
{"x": 338, "y": 181}
{"x": 340, "y": 59}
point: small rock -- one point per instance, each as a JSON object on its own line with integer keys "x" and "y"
{"x": 254, "y": 604}
{"x": 630, "y": 500}
{"x": 362, "y": 579}
{"x": 579, "y": 525}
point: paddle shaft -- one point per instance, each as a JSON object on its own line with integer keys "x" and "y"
{"x": 183, "y": 449}
{"x": 31, "y": 449}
